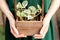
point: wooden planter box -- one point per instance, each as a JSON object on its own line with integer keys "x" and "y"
{"x": 29, "y": 28}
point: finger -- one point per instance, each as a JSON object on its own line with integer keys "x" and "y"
{"x": 38, "y": 36}
{"x": 12, "y": 24}
{"x": 44, "y": 29}
{"x": 13, "y": 33}
{"x": 17, "y": 36}
{"x": 14, "y": 28}
{"x": 21, "y": 35}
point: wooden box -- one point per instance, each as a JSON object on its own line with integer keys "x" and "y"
{"x": 30, "y": 28}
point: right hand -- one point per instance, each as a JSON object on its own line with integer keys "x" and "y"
{"x": 14, "y": 30}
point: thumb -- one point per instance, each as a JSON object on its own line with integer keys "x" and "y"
{"x": 44, "y": 29}
{"x": 12, "y": 25}
{"x": 15, "y": 30}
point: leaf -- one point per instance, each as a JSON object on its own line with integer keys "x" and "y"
{"x": 22, "y": 14}
{"x": 32, "y": 8}
{"x": 36, "y": 11}
{"x": 24, "y": 3}
{"x": 25, "y": 14}
{"x": 18, "y": 13}
{"x": 19, "y": 5}
{"x": 39, "y": 7}
{"x": 29, "y": 17}
{"x": 27, "y": 11}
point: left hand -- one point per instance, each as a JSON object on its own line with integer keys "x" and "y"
{"x": 44, "y": 29}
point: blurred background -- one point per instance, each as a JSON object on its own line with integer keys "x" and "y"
{"x": 2, "y": 28}
{"x": 56, "y": 25}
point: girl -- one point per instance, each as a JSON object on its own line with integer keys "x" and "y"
{"x": 47, "y": 31}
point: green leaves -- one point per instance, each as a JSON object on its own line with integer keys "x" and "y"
{"x": 29, "y": 17}
{"x": 29, "y": 12}
{"x": 32, "y": 8}
{"x": 39, "y": 7}
{"x": 18, "y": 13}
{"x": 24, "y": 4}
{"x": 19, "y": 5}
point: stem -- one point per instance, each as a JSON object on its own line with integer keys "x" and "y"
{"x": 21, "y": 18}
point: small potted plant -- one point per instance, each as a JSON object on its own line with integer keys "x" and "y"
{"x": 28, "y": 19}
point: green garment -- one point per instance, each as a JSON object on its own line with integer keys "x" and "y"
{"x": 50, "y": 33}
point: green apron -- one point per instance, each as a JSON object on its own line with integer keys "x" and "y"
{"x": 50, "y": 33}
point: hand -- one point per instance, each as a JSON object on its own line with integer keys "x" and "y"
{"x": 14, "y": 30}
{"x": 44, "y": 29}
